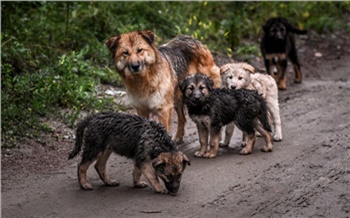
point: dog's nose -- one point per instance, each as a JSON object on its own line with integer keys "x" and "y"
{"x": 196, "y": 98}
{"x": 232, "y": 87}
{"x": 135, "y": 66}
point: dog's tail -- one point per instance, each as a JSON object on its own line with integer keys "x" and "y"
{"x": 79, "y": 137}
{"x": 263, "y": 116}
{"x": 298, "y": 31}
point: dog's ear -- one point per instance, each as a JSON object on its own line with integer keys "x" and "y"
{"x": 158, "y": 162}
{"x": 265, "y": 28}
{"x": 148, "y": 36}
{"x": 223, "y": 69}
{"x": 112, "y": 44}
{"x": 247, "y": 67}
{"x": 210, "y": 83}
{"x": 183, "y": 85}
{"x": 186, "y": 160}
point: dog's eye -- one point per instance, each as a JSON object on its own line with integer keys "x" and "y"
{"x": 169, "y": 177}
{"x": 230, "y": 77}
{"x": 139, "y": 50}
{"x": 201, "y": 87}
{"x": 125, "y": 52}
{"x": 240, "y": 78}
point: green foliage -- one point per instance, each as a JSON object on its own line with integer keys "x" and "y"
{"x": 53, "y": 54}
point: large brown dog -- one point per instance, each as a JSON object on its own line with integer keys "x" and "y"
{"x": 151, "y": 74}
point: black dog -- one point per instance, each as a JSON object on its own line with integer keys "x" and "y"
{"x": 154, "y": 153}
{"x": 212, "y": 108}
{"x": 278, "y": 45}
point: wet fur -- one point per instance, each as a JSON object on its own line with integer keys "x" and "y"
{"x": 211, "y": 109}
{"x": 242, "y": 76}
{"x": 277, "y": 46}
{"x": 151, "y": 74}
{"x": 146, "y": 142}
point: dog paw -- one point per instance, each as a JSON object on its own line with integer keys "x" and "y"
{"x": 142, "y": 184}
{"x": 209, "y": 155}
{"x": 86, "y": 187}
{"x": 112, "y": 183}
{"x": 179, "y": 141}
{"x": 277, "y": 138}
{"x": 161, "y": 191}
{"x": 266, "y": 149}
{"x": 223, "y": 145}
{"x": 243, "y": 144}
{"x": 297, "y": 81}
{"x": 245, "y": 151}
{"x": 198, "y": 154}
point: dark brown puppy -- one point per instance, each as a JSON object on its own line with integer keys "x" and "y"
{"x": 277, "y": 46}
{"x": 154, "y": 153}
{"x": 211, "y": 109}
{"x": 151, "y": 74}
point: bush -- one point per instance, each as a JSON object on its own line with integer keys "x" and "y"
{"x": 53, "y": 54}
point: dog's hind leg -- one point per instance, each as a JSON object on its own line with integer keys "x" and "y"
{"x": 267, "y": 135}
{"x": 228, "y": 135}
{"x": 82, "y": 169}
{"x": 149, "y": 173}
{"x": 250, "y": 140}
{"x": 136, "y": 174}
{"x": 100, "y": 167}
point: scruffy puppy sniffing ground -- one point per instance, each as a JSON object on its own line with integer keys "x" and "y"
{"x": 277, "y": 46}
{"x": 242, "y": 76}
{"x": 146, "y": 142}
{"x": 212, "y": 108}
{"x": 151, "y": 73}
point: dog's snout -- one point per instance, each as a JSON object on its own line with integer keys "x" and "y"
{"x": 173, "y": 187}
{"x": 135, "y": 66}
{"x": 232, "y": 87}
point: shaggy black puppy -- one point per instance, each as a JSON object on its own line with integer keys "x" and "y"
{"x": 277, "y": 46}
{"x": 211, "y": 109}
{"x": 154, "y": 153}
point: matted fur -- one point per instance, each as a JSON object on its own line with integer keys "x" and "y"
{"x": 146, "y": 142}
{"x": 151, "y": 74}
{"x": 242, "y": 76}
{"x": 277, "y": 46}
{"x": 211, "y": 109}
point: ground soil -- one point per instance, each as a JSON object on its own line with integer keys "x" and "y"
{"x": 307, "y": 174}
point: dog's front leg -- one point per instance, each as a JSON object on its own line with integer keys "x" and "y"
{"x": 214, "y": 142}
{"x": 136, "y": 174}
{"x": 143, "y": 112}
{"x": 150, "y": 174}
{"x": 100, "y": 167}
{"x": 164, "y": 117}
{"x": 203, "y": 133}
{"x": 181, "y": 121}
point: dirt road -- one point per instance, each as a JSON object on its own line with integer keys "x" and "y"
{"x": 307, "y": 174}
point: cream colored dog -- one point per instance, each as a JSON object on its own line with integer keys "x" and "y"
{"x": 241, "y": 75}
